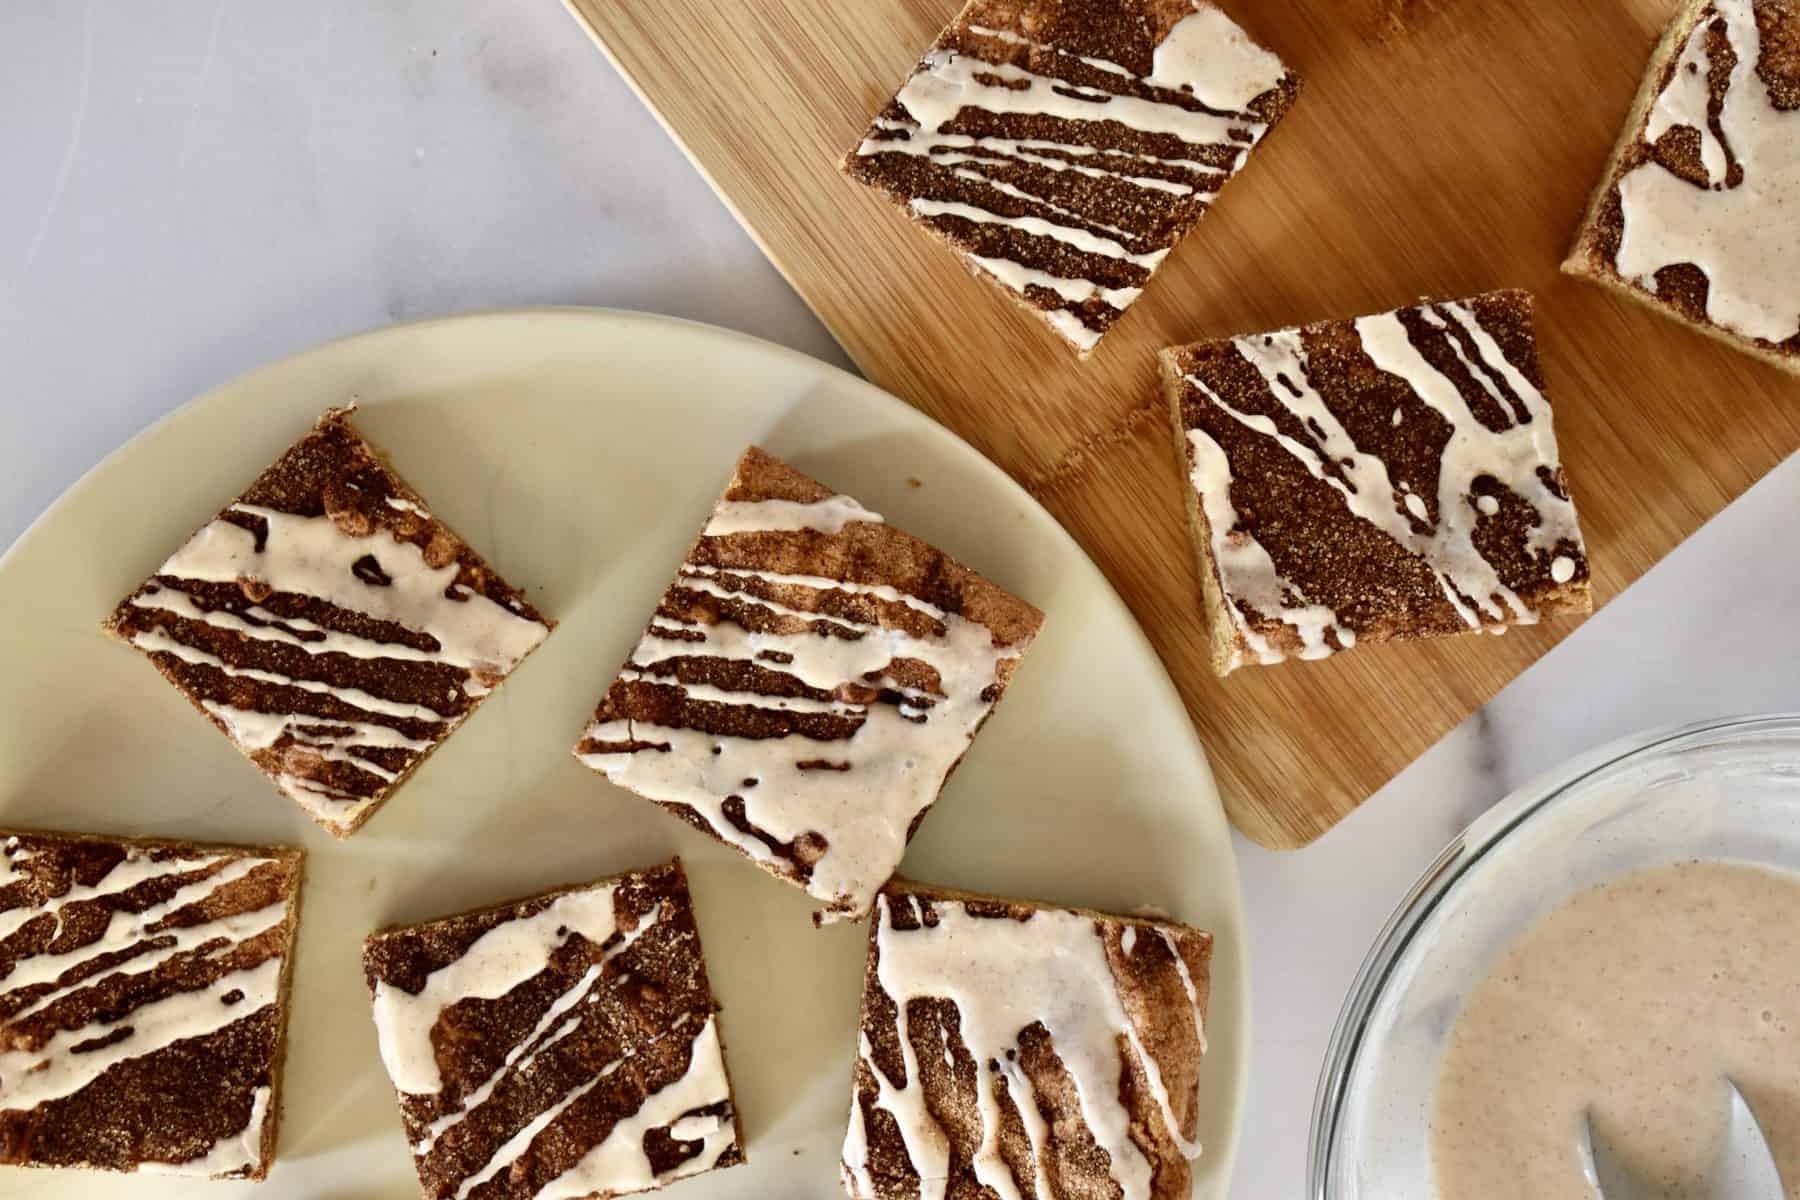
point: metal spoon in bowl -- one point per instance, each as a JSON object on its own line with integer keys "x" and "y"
{"x": 1744, "y": 1170}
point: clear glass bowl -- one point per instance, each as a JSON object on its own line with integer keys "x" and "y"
{"x": 1726, "y": 790}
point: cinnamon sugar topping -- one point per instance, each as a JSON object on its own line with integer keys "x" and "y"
{"x": 1003, "y": 1043}
{"x": 142, "y": 1003}
{"x": 557, "y": 1047}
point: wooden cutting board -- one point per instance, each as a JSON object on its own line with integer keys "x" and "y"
{"x": 1438, "y": 148}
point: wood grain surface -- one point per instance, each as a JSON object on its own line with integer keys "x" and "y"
{"x": 1439, "y": 148}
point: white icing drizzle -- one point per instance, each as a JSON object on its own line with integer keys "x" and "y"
{"x": 1069, "y": 235}
{"x": 957, "y": 148}
{"x": 703, "y": 1084}
{"x": 330, "y": 739}
{"x": 155, "y": 641}
{"x": 993, "y": 151}
{"x": 1005, "y": 976}
{"x": 54, "y": 1070}
{"x": 29, "y": 1078}
{"x": 1014, "y": 39}
{"x": 520, "y": 1059}
{"x": 124, "y": 929}
{"x": 948, "y": 82}
{"x": 897, "y": 756}
{"x": 1074, "y": 290}
{"x": 1512, "y": 456}
{"x": 618, "y": 1163}
{"x": 324, "y": 641}
{"x": 1745, "y": 237}
{"x": 515, "y": 1146}
{"x": 497, "y": 962}
{"x": 313, "y": 557}
{"x": 1207, "y": 54}
{"x": 781, "y": 516}
{"x": 1246, "y": 571}
{"x": 1204, "y": 56}
{"x": 1187, "y": 985}
{"x": 129, "y": 872}
{"x": 694, "y": 1129}
{"x": 234, "y": 1152}
{"x": 1073, "y": 329}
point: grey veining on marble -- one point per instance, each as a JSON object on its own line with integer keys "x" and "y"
{"x": 189, "y": 190}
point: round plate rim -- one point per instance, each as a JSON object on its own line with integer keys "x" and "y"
{"x": 1162, "y": 687}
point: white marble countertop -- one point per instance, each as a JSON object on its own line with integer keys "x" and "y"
{"x": 187, "y": 191}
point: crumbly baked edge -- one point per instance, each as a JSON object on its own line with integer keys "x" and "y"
{"x": 271, "y": 1143}
{"x": 1226, "y": 644}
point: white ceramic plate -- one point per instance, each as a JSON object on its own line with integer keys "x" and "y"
{"x": 579, "y": 451}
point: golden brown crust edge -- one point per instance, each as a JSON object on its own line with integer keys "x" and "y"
{"x": 1225, "y": 646}
{"x": 901, "y": 885}
{"x": 760, "y": 475}
{"x": 271, "y": 1139}
{"x": 292, "y": 856}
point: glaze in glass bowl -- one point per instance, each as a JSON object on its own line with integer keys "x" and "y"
{"x": 1722, "y": 791}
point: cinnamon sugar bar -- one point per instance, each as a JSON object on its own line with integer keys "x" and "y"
{"x": 1014, "y": 1049}
{"x": 330, "y": 626}
{"x": 1395, "y": 476}
{"x": 557, "y": 1047}
{"x": 1063, "y": 147}
{"x": 807, "y": 683}
{"x": 143, "y": 1003}
{"x": 1696, "y": 213}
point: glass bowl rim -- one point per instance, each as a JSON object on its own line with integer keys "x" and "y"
{"x": 1484, "y": 836}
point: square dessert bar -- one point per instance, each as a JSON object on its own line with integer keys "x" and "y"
{"x": 807, "y": 683}
{"x": 143, "y": 1003}
{"x": 1394, "y": 476}
{"x": 1063, "y": 147}
{"x": 561, "y": 1046}
{"x": 1696, "y": 213}
{"x": 330, "y": 626}
{"x": 1013, "y": 1049}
